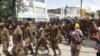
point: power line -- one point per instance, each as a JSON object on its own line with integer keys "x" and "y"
{"x": 81, "y": 3}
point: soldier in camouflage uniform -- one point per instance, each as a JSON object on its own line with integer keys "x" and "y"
{"x": 60, "y": 33}
{"x": 41, "y": 39}
{"x": 54, "y": 37}
{"x": 17, "y": 42}
{"x": 33, "y": 29}
{"x": 4, "y": 38}
{"x": 47, "y": 32}
{"x": 27, "y": 33}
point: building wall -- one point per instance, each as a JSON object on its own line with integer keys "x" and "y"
{"x": 73, "y": 11}
{"x": 41, "y": 10}
{"x": 58, "y": 12}
{"x": 35, "y": 9}
{"x": 66, "y": 11}
{"x": 55, "y": 11}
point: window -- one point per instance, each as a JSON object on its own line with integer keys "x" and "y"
{"x": 43, "y": 1}
{"x": 40, "y": 10}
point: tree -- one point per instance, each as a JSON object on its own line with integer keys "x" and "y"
{"x": 98, "y": 12}
{"x": 87, "y": 15}
{"x": 92, "y": 15}
{"x": 10, "y": 8}
{"x": 83, "y": 12}
{"x": 2, "y": 10}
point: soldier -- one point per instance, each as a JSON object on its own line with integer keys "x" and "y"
{"x": 17, "y": 42}
{"x": 47, "y": 32}
{"x": 4, "y": 38}
{"x": 27, "y": 33}
{"x": 60, "y": 33}
{"x": 47, "y": 36}
{"x": 33, "y": 29}
{"x": 54, "y": 38}
{"x": 41, "y": 39}
{"x": 63, "y": 30}
{"x": 67, "y": 29}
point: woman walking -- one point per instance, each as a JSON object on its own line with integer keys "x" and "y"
{"x": 76, "y": 40}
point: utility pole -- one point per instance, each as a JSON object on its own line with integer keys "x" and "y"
{"x": 81, "y": 8}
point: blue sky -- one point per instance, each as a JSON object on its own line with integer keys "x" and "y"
{"x": 91, "y": 4}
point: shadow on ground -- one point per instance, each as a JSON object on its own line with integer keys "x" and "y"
{"x": 46, "y": 54}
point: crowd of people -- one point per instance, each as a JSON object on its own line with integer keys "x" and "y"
{"x": 27, "y": 34}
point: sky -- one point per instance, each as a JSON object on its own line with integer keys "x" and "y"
{"x": 92, "y": 5}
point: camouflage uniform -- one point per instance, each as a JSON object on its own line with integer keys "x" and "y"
{"x": 47, "y": 32}
{"x": 18, "y": 42}
{"x": 54, "y": 38}
{"x": 27, "y": 33}
{"x": 4, "y": 40}
{"x": 60, "y": 33}
{"x": 41, "y": 40}
{"x": 32, "y": 26}
{"x": 67, "y": 29}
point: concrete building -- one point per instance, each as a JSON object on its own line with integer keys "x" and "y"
{"x": 66, "y": 11}
{"x": 58, "y": 12}
{"x": 73, "y": 11}
{"x": 34, "y": 9}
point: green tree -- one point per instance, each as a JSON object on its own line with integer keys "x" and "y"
{"x": 92, "y": 15}
{"x": 11, "y": 8}
{"x": 98, "y": 12}
{"x": 2, "y": 10}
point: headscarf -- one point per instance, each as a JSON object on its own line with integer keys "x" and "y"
{"x": 77, "y": 26}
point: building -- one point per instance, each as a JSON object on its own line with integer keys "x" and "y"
{"x": 73, "y": 11}
{"x": 66, "y": 11}
{"x": 58, "y": 12}
{"x": 55, "y": 11}
{"x": 34, "y": 9}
